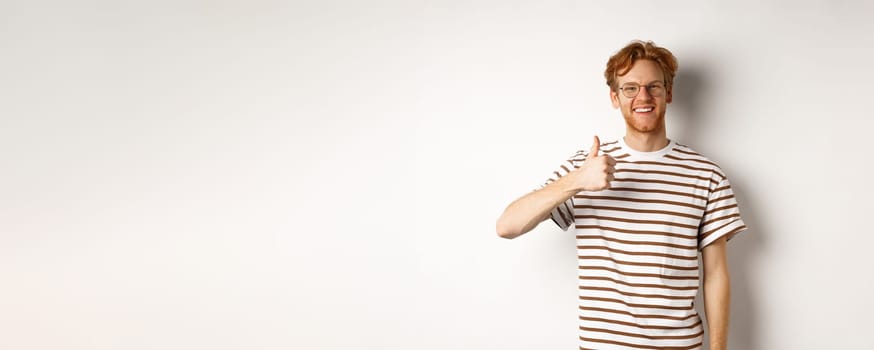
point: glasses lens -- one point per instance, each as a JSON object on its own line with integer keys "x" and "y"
{"x": 656, "y": 89}
{"x": 630, "y": 90}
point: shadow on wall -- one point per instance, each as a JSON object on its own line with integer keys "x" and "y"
{"x": 690, "y": 95}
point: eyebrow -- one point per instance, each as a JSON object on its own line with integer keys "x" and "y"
{"x": 654, "y": 81}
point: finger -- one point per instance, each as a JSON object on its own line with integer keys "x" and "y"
{"x": 595, "y": 147}
{"x": 610, "y": 178}
{"x": 611, "y": 160}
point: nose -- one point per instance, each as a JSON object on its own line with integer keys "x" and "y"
{"x": 643, "y": 94}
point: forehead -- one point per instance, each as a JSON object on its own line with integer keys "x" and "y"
{"x": 642, "y": 72}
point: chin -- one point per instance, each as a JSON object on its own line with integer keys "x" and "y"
{"x": 645, "y": 127}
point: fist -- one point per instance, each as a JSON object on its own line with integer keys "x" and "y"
{"x": 596, "y": 172}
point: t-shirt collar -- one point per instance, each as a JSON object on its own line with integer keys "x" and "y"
{"x": 653, "y": 154}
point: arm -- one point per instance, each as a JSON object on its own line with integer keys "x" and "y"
{"x": 526, "y": 212}
{"x": 717, "y": 297}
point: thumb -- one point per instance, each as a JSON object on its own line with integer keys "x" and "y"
{"x": 595, "y": 148}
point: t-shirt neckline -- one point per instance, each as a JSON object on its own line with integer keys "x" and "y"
{"x": 650, "y": 155}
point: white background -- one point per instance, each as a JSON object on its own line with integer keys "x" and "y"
{"x": 327, "y": 175}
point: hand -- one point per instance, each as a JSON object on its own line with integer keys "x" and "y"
{"x": 596, "y": 172}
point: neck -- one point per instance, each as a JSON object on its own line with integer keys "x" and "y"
{"x": 646, "y": 142}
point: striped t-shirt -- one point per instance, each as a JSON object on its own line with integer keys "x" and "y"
{"x": 638, "y": 243}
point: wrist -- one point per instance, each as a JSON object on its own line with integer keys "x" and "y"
{"x": 568, "y": 186}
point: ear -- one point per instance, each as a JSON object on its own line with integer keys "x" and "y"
{"x": 614, "y": 97}
{"x": 670, "y": 96}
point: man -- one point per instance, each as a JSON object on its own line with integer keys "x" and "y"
{"x": 642, "y": 207}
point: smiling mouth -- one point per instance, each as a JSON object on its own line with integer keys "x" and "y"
{"x": 643, "y": 109}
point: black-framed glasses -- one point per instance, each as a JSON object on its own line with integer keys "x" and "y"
{"x": 655, "y": 89}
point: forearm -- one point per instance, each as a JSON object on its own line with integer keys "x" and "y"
{"x": 526, "y": 212}
{"x": 717, "y": 301}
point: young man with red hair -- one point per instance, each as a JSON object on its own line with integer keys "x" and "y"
{"x": 642, "y": 207}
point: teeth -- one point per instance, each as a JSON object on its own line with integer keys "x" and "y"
{"x": 643, "y": 110}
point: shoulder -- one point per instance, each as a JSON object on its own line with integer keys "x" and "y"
{"x": 609, "y": 146}
{"x": 686, "y": 155}
{"x": 605, "y": 148}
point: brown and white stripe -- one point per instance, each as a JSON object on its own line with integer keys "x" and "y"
{"x": 638, "y": 245}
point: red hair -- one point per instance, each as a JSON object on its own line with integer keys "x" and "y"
{"x": 621, "y": 62}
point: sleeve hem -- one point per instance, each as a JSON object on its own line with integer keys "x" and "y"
{"x": 731, "y": 229}
{"x": 559, "y": 218}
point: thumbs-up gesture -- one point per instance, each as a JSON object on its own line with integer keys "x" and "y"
{"x": 596, "y": 172}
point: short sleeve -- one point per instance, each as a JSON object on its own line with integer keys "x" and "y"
{"x": 563, "y": 214}
{"x": 721, "y": 216}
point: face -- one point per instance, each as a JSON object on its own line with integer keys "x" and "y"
{"x": 643, "y": 113}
